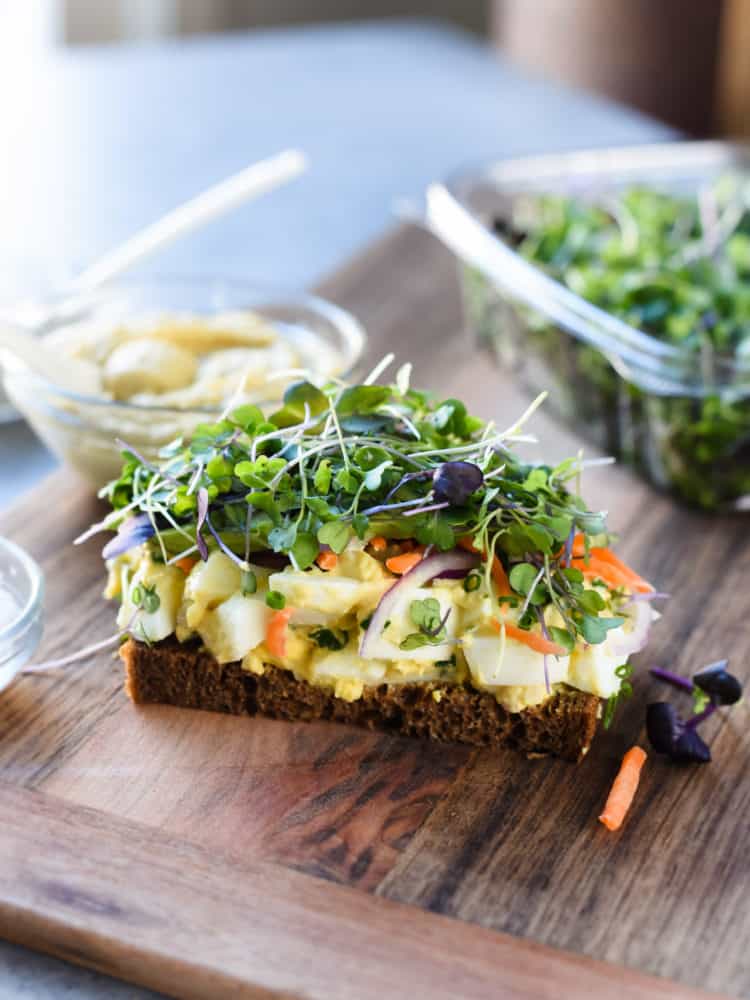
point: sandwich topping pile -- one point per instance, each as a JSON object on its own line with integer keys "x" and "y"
{"x": 367, "y": 537}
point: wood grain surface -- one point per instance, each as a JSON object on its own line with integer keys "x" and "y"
{"x": 187, "y": 805}
{"x": 152, "y": 908}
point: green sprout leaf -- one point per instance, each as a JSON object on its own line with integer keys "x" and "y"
{"x": 362, "y": 399}
{"x": 594, "y": 629}
{"x": 562, "y": 637}
{"x": 322, "y": 478}
{"x": 305, "y": 549}
{"x": 335, "y": 534}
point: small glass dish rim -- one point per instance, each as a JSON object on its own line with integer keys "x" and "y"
{"x": 30, "y": 611}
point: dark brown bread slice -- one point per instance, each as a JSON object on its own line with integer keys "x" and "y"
{"x": 188, "y": 676}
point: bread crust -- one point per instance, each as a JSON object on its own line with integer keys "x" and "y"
{"x": 187, "y": 675}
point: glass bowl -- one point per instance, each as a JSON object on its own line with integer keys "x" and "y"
{"x": 82, "y": 430}
{"x": 681, "y": 420}
{"x": 21, "y": 608}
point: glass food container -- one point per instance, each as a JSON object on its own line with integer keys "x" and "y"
{"x": 84, "y": 430}
{"x": 21, "y": 609}
{"x": 681, "y": 419}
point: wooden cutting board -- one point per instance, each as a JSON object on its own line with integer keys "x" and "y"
{"x": 209, "y": 856}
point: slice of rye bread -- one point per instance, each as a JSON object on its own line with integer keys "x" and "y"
{"x": 186, "y": 675}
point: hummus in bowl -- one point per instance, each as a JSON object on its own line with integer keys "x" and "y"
{"x": 174, "y": 353}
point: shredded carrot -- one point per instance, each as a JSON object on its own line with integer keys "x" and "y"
{"x": 531, "y": 639}
{"x": 465, "y": 542}
{"x": 621, "y": 573}
{"x": 605, "y": 570}
{"x": 579, "y": 546}
{"x": 327, "y": 560}
{"x": 403, "y": 563}
{"x": 378, "y": 543}
{"x": 185, "y": 564}
{"x": 606, "y": 555}
{"x": 276, "y": 631}
{"x": 501, "y": 579}
{"x": 623, "y": 789}
{"x": 498, "y": 572}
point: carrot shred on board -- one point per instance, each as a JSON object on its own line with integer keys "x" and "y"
{"x": 623, "y": 789}
{"x": 276, "y": 631}
{"x": 327, "y": 560}
{"x": 185, "y": 564}
{"x": 378, "y": 543}
{"x": 403, "y": 563}
{"x": 498, "y": 572}
{"x": 531, "y": 639}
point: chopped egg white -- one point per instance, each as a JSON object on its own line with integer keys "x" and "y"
{"x": 235, "y": 627}
{"x": 168, "y": 583}
{"x": 323, "y": 598}
{"x": 592, "y": 668}
{"x": 494, "y": 660}
{"x": 208, "y": 584}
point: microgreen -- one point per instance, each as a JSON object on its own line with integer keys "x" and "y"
{"x": 145, "y": 598}
{"x": 335, "y": 534}
{"x": 701, "y": 700}
{"x": 668, "y": 733}
{"x": 338, "y": 462}
{"x": 446, "y": 666}
{"x": 327, "y": 638}
{"x": 431, "y": 627}
{"x": 624, "y": 672}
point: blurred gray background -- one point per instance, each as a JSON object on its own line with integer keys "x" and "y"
{"x": 683, "y": 61}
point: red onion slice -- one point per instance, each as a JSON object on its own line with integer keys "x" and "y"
{"x": 424, "y": 571}
{"x": 641, "y": 615}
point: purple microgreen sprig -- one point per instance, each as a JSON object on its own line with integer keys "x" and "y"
{"x": 676, "y": 737}
{"x": 452, "y": 482}
{"x": 133, "y": 531}
{"x": 202, "y": 518}
{"x": 548, "y": 637}
{"x": 676, "y": 680}
{"x": 455, "y": 482}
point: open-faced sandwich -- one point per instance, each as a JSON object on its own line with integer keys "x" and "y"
{"x": 370, "y": 555}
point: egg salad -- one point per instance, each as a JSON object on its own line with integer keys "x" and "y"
{"x": 370, "y": 535}
{"x": 330, "y": 611}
